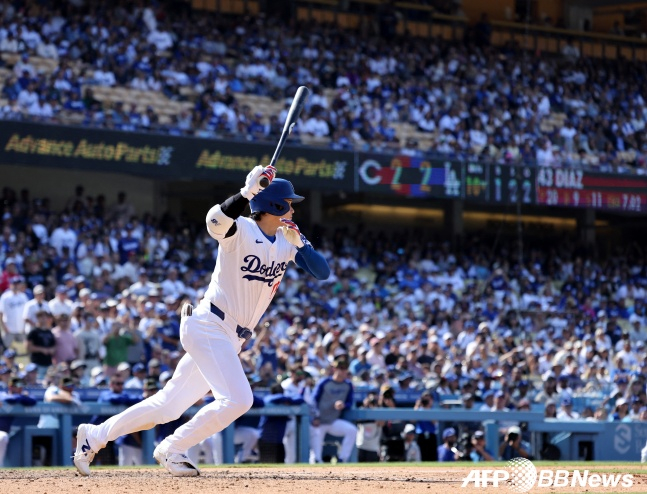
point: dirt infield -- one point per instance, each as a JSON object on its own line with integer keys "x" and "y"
{"x": 355, "y": 479}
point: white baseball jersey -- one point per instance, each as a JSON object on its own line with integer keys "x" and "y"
{"x": 12, "y": 306}
{"x": 248, "y": 272}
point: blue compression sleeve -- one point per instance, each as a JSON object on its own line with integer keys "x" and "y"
{"x": 314, "y": 263}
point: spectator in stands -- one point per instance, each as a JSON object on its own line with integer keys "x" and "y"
{"x": 447, "y": 451}
{"x": 66, "y": 344}
{"x": 60, "y": 304}
{"x": 479, "y": 451}
{"x": 15, "y": 395}
{"x": 138, "y": 378}
{"x": 566, "y": 411}
{"x": 621, "y": 411}
{"x": 62, "y": 393}
{"x": 78, "y": 373}
{"x": 88, "y": 340}
{"x": 41, "y": 343}
{"x": 33, "y": 306}
{"x": 12, "y": 306}
{"x": 122, "y": 335}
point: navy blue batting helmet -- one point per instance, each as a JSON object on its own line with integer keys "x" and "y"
{"x": 272, "y": 199}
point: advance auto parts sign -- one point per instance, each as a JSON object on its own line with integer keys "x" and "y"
{"x": 304, "y": 166}
{"x": 48, "y": 145}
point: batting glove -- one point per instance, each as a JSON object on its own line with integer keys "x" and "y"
{"x": 269, "y": 173}
{"x": 252, "y": 185}
{"x": 292, "y": 233}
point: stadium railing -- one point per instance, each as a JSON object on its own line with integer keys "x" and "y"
{"x": 608, "y": 440}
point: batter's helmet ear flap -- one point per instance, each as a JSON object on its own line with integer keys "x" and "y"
{"x": 272, "y": 200}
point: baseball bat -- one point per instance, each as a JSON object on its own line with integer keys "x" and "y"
{"x": 290, "y": 122}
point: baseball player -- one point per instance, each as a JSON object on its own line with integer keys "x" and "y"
{"x": 253, "y": 254}
{"x": 331, "y": 396}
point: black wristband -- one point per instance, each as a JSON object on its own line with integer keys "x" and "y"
{"x": 234, "y": 206}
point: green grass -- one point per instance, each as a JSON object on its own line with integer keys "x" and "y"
{"x": 597, "y": 467}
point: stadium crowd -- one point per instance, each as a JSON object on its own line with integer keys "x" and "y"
{"x": 468, "y": 98}
{"x": 94, "y": 292}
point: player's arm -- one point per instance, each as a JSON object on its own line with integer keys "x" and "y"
{"x": 307, "y": 257}
{"x": 348, "y": 404}
{"x": 221, "y": 219}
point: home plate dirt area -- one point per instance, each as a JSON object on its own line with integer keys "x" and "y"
{"x": 356, "y": 479}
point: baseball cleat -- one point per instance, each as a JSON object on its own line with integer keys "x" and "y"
{"x": 178, "y": 464}
{"x": 83, "y": 455}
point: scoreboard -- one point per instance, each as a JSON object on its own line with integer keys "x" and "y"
{"x": 501, "y": 184}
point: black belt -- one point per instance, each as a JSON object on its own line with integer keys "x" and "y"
{"x": 243, "y": 333}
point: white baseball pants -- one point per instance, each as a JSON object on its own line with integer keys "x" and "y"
{"x": 4, "y": 442}
{"x": 339, "y": 427}
{"x": 290, "y": 440}
{"x": 210, "y": 447}
{"x": 248, "y": 437}
{"x": 129, "y": 455}
{"x": 211, "y": 362}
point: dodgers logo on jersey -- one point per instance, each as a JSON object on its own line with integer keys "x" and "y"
{"x": 267, "y": 273}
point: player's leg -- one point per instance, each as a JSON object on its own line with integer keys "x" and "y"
{"x": 248, "y": 437}
{"x": 216, "y": 448}
{"x": 185, "y": 388}
{"x": 348, "y": 431}
{"x": 220, "y": 366}
{"x": 317, "y": 436}
{"x": 290, "y": 441}
{"x": 4, "y": 442}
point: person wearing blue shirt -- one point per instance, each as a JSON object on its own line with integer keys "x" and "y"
{"x": 480, "y": 452}
{"x": 15, "y": 395}
{"x": 115, "y": 396}
{"x": 426, "y": 430}
{"x": 359, "y": 364}
{"x": 127, "y": 245}
{"x": 169, "y": 331}
{"x": 272, "y": 428}
{"x": 445, "y": 452}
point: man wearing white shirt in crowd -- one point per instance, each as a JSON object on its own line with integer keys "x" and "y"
{"x": 41, "y": 108}
{"x": 161, "y": 39}
{"x": 637, "y": 331}
{"x": 142, "y": 286}
{"x": 60, "y": 304}
{"x": 30, "y": 38}
{"x": 137, "y": 379}
{"x": 316, "y": 126}
{"x": 63, "y": 236}
{"x": 39, "y": 228}
{"x": 173, "y": 285}
{"x": 27, "y": 96}
{"x": 544, "y": 155}
{"x": 12, "y": 305}
{"x": 103, "y": 77}
{"x": 23, "y": 65}
{"x": 33, "y": 306}
{"x": 47, "y": 49}
{"x": 566, "y": 410}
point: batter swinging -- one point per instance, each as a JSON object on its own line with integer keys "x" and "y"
{"x": 253, "y": 254}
